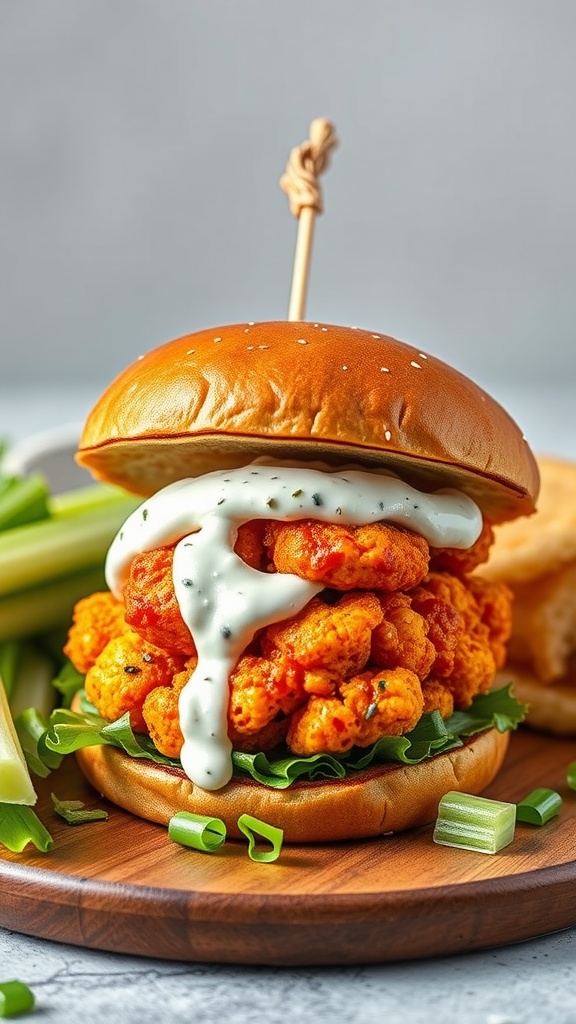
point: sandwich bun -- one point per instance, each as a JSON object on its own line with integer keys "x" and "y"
{"x": 371, "y": 802}
{"x": 220, "y": 398}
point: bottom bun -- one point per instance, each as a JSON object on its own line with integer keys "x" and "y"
{"x": 377, "y": 800}
{"x": 551, "y": 706}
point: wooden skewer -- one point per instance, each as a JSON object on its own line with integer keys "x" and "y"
{"x": 300, "y": 182}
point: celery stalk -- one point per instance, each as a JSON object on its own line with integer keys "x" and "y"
{"x": 15, "y": 782}
{"x": 33, "y": 685}
{"x": 22, "y": 500}
{"x": 56, "y": 547}
{"x": 474, "y": 822}
{"x": 48, "y": 606}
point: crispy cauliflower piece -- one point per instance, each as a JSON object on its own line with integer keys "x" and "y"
{"x": 124, "y": 674}
{"x": 152, "y": 609}
{"x": 373, "y": 557}
{"x": 494, "y": 603}
{"x": 371, "y": 705}
{"x": 437, "y": 697}
{"x": 461, "y": 561}
{"x": 401, "y": 639}
{"x": 96, "y": 620}
{"x": 261, "y": 689}
{"x": 334, "y": 637}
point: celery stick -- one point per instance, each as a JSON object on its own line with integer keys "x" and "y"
{"x": 48, "y": 606}
{"x": 82, "y": 498}
{"x": 23, "y": 500}
{"x": 15, "y": 782}
{"x": 33, "y": 685}
{"x": 474, "y": 822}
{"x": 10, "y": 654}
{"x": 33, "y": 554}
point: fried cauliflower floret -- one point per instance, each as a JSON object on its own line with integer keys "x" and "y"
{"x": 371, "y": 705}
{"x": 261, "y": 689}
{"x": 152, "y": 609}
{"x": 335, "y": 638}
{"x": 437, "y": 697}
{"x": 373, "y": 557}
{"x": 124, "y": 674}
{"x": 469, "y": 632}
{"x": 401, "y": 639}
{"x": 461, "y": 561}
{"x": 494, "y": 602}
{"x": 96, "y": 620}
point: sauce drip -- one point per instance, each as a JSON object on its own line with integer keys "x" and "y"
{"x": 224, "y": 602}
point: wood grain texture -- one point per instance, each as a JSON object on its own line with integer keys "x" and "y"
{"x": 122, "y": 885}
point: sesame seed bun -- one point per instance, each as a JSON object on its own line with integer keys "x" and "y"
{"x": 377, "y": 800}
{"x": 292, "y": 390}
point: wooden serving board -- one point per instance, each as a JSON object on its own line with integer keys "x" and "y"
{"x": 122, "y": 885}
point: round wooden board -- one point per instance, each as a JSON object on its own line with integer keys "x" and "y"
{"x": 122, "y": 885}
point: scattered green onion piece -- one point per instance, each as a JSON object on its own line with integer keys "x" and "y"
{"x": 474, "y": 823}
{"x": 571, "y": 775}
{"x": 197, "y": 831}
{"x": 253, "y": 828}
{"x": 20, "y": 826}
{"x": 539, "y": 807}
{"x": 75, "y": 812}
{"x": 15, "y": 997}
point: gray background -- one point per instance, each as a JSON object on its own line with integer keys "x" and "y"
{"x": 141, "y": 143}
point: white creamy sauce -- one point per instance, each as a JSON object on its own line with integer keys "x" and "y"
{"x": 224, "y": 602}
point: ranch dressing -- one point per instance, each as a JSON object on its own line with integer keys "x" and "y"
{"x": 224, "y": 602}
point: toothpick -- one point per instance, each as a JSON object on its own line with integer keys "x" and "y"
{"x": 300, "y": 182}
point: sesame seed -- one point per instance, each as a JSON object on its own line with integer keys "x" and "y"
{"x": 423, "y": 355}
{"x": 250, "y": 323}
{"x": 384, "y": 369}
{"x": 417, "y": 365}
{"x": 263, "y": 346}
{"x": 249, "y": 348}
{"x": 316, "y": 325}
{"x": 302, "y": 341}
{"x": 354, "y": 328}
{"x": 190, "y": 351}
{"x": 246, "y": 330}
{"x": 344, "y": 367}
{"x": 375, "y": 335}
{"x": 217, "y": 339}
{"x": 324, "y": 328}
{"x": 387, "y": 435}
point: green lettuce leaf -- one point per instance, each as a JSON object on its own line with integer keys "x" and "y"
{"x": 69, "y": 731}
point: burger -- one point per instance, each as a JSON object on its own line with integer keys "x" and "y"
{"x": 296, "y": 626}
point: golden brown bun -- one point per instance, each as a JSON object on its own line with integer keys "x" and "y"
{"x": 370, "y": 803}
{"x": 223, "y": 397}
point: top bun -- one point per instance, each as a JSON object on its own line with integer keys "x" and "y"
{"x": 294, "y": 390}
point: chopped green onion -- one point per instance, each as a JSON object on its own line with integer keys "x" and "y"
{"x": 253, "y": 828}
{"x": 197, "y": 831}
{"x": 539, "y": 806}
{"x": 15, "y": 782}
{"x": 571, "y": 775}
{"x": 75, "y": 812}
{"x": 20, "y": 826}
{"x": 15, "y": 997}
{"x": 474, "y": 823}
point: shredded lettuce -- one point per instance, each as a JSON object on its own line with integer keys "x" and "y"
{"x": 69, "y": 731}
